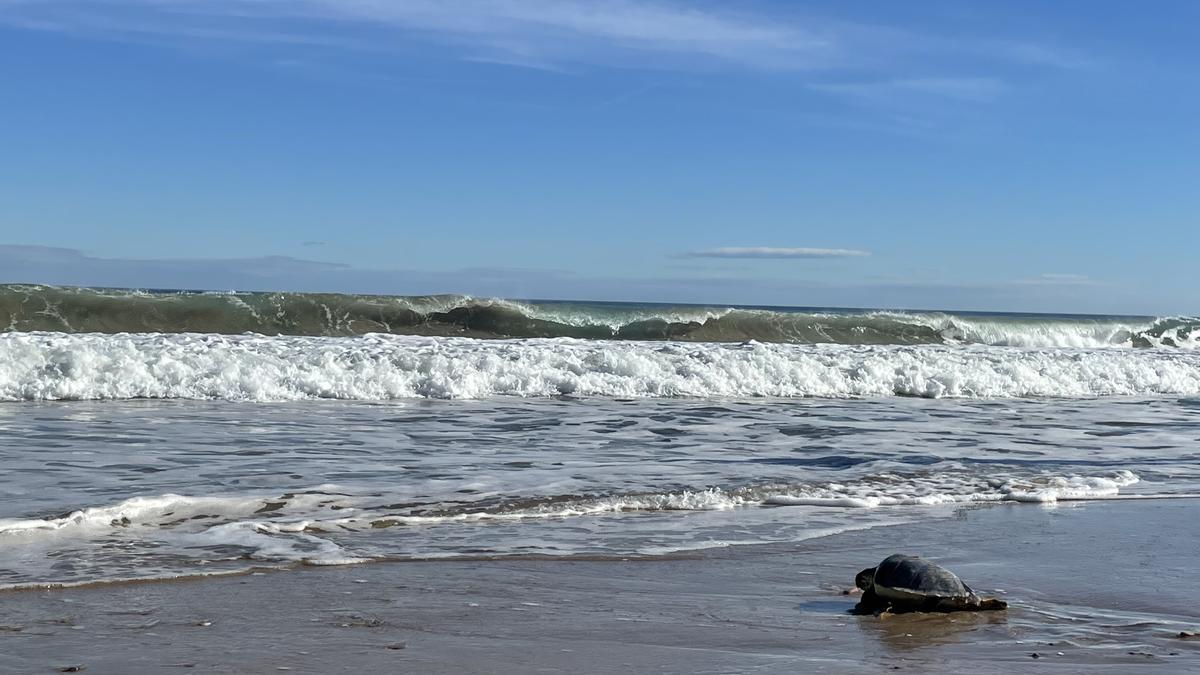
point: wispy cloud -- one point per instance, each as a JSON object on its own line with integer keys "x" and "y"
{"x": 1059, "y": 280}
{"x": 540, "y": 33}
{"x": 544, "y": 34}
{"x": 775, "y": 252}
{"x": 1038, "y": 55}
{"x": 49, "y": 265}
{"x": 973, "y": 89}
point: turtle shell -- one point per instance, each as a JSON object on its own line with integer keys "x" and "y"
{"x": 909, "y": 578}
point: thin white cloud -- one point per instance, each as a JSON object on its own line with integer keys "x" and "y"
{"x": 1051, "y": 279}
{"x": 49, "y": 265}
{"x": 1037, "y": 55}
{"x": 537, "y": 33}
{"x": 515, "y": 32}
{"x": 776, "y": 252}
{"x": 974, "y": 89}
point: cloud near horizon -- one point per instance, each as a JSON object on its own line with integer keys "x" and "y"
{"x": 1059, "y": 280}
{"x": 70, "y": 267}
{"x": 776, "y": 252}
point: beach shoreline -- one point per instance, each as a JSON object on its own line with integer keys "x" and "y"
{"x": 1102, "y": 586}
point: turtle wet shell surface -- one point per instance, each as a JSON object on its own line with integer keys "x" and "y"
{"x": 920, "y": 577}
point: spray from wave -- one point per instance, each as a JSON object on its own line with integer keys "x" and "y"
{"x": 82, "y": 310}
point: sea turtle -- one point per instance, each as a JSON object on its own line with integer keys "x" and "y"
{"x": 904, "y": 583}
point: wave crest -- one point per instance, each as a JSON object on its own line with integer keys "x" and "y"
{"x": 81, "y": 310}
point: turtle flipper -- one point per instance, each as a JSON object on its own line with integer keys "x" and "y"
{"x": 978, "y": 602}
{"x": 954, "y": 605}
{"x": 869, "y": 603}
{"x": 973, "y": 603}
{"x": 992, "y": 603}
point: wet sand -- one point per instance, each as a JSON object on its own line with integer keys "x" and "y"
{"x": 1103, "y": 587}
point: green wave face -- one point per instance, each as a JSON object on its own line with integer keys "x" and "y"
{"x": 27, "y": 308}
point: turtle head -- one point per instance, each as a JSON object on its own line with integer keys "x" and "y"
{"x": 865, "y": 579}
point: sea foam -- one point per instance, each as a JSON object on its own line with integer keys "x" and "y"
{"x": 59, "y": 366}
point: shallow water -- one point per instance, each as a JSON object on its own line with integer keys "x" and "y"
{"x": 1096, "y": 587}
{"x": 96, "y": 491}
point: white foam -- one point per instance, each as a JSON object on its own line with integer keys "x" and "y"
{"x": 318, "y": 528}
{"x": 155, "y": 511}
{"x": 188, "y": 522}
{"x": 133, "y": 511}
{"x": 879, "y": 490}
{"x": 57, "y": 366}
{"x": 1042, "y": 333}
{"x": 308, "y": 512}
{"x": 948, "y": 489}
{"x": 1072, "y": 488}
{"x": 1049, "y": 332}
{"x": 582, "y": 315}
{"x": 264, "y": 540}
{"x": 303, "y": 514}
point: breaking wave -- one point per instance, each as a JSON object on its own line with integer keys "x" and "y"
{"x": 61, "y": 366}
{"x": 25, "y": 308}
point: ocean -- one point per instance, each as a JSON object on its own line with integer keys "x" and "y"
{"x": 167, "y": 434}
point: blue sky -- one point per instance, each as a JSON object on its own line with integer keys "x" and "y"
{"x": 997, "y": 156}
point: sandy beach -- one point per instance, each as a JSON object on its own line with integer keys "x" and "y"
{"x": 1103, "y": 586}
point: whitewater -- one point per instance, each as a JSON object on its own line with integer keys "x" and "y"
{"x": 60, "y": 366}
